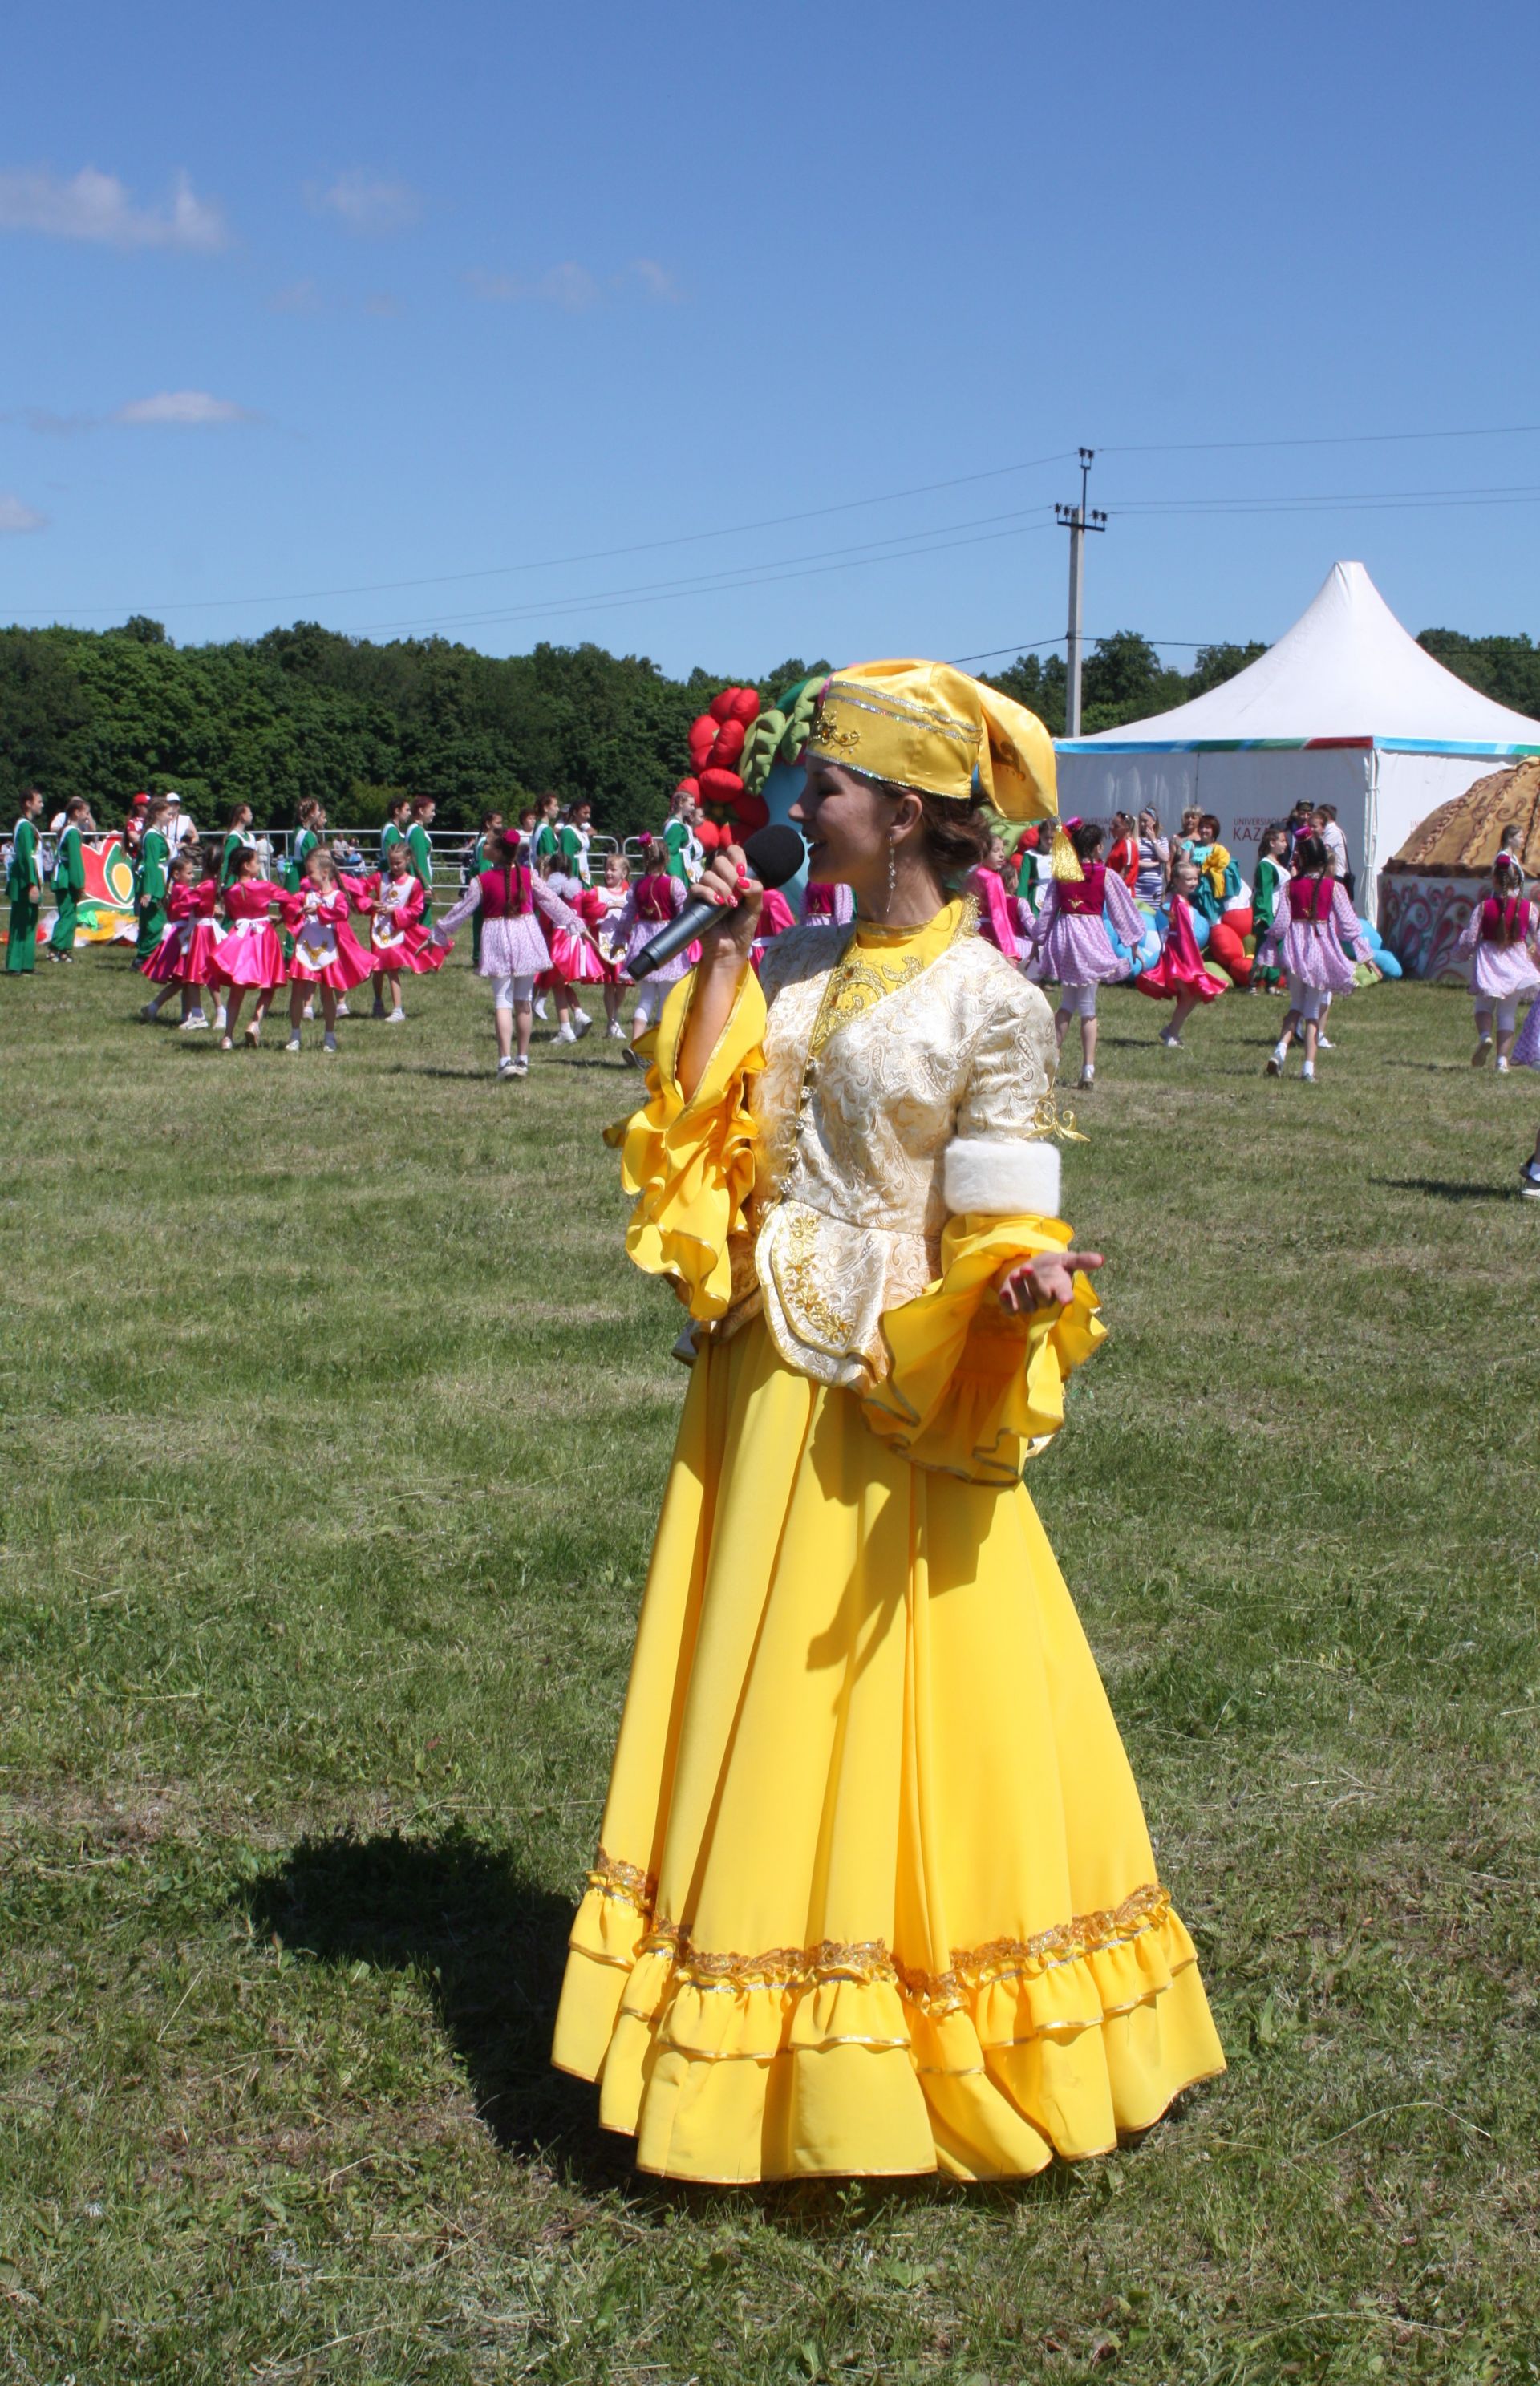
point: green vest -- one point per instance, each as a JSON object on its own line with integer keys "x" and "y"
{"x": 293, "y": 869}
{"x": 70, "y": 864}
{"x": 234, "y": 846}
{"x": 24, "y": 879}
{"x": 390, "y": 834}
{"x": 545, "y": 844}
{"x": 422, "y": 854}
{"x": 153, "y": 854}
{"x": 675, "y": 848}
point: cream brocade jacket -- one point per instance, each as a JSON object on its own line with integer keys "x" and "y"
{"x": 864, "y": 1194}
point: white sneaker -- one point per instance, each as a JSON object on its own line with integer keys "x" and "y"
{"x": 1324, "y": 1043}
{"x": 581, "y": 1023}
{"x": 328, "y": 1042}
{"x": 1529, "y": 1180}
{"x": 253, "y": 1035}
{"x": 394, "y": 1018}
{"x": 193, "y": 1018}
{"x": 566, "y": 1033}
{"x": 1088, "y": 1077}
{"x": 540, "y": 1010}
{"x": 505, "y": 1068}
{"x": 1172, "y": 1043}
{"x": 308, "y": 1011}
{"x": 1276, "y": 1058}
{"x": 293, "y": 1044}
{"x": 1502, "y": 1064}
{"x": 220, "y": 1022}
{"x": 517, "y": 1067}
{"x": 1307, "y": 1074}
{"x": 343, "y": 1012}
{"x": 615, "y": 1032}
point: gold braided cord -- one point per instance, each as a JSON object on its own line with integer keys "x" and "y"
{"x": 868, "y": 1960}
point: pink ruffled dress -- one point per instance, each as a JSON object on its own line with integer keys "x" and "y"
{"x": 325, "y": 952}
{"x": 1070, "y": 940}
{"x": 1499, "y": 940}
{"x": 250, "y": 952}
{"x": 1314, "y": 931}
{"x": 397, "y": 938}
{"x": 185, "y": 955}
{"x": 512, "y": 903}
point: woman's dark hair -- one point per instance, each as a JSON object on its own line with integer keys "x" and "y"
{"x": 1310, "y": 856}
{"x": 1274, "y": 828}
{"x": 1207, "y": 820}
{"x": 955, "y": 836}
{"x": 235, "y": 811}
{"x": 1088, "y": 838}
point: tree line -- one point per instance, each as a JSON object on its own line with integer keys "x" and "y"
{"x": 307, "y": 711}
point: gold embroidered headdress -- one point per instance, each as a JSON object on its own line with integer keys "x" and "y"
{"x": 930, "y": 726}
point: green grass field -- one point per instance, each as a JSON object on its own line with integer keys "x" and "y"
{"x": 333, "y": 1426}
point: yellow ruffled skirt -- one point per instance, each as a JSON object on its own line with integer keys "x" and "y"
{"x": 874, "y": 1894}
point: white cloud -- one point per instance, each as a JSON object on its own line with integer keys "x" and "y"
{"x": 184, "y": 408}
{"x": 16, "y": 516}
{"x": 383, "y": 303}
{"x": 655, "y": 280}
{"x": 368, "y": 203}
{"x": 92, "y": 206}
{"x": 573, "y": 289}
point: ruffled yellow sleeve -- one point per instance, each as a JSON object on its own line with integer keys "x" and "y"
{"x": 972, "y": 1388}
{"x": 690, "y": 1164}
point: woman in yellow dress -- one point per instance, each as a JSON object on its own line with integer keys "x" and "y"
{"x": 874, "y": 1894}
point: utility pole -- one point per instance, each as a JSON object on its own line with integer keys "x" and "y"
{"x": 1076, "y": 519}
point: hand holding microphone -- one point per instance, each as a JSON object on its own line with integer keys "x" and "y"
{"x": 723, "y": 905}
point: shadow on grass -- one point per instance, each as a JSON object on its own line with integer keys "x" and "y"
{"x": 489, "y": 1944}
{"x": 1442, "y": 1188}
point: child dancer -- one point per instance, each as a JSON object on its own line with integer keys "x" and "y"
{"x": 610, "y": 897}
{"x": 1070, "y": 935}
{"x": 399, "y": 942}
{"x": 1314, "y": 923}
{"x": 250, "y": 956}
{"x": 326, "y": 953}
{"x": 566, "y": 959}
{"x": 185, "y": 956}
{"x": 1500, "y": 936}
{"x": 653, "y": 902}
{"x": 996, "y": 913}
{"x": 1272, "y": 876}
{"x": 1179, "y": 969}
{"x": 508, "y": 895}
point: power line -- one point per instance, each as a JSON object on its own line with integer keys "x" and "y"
{"x": 1339, "y": 439}
{"x": 591, "y": 555}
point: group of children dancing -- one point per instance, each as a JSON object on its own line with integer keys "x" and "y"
{"x": 1076, "y": 922}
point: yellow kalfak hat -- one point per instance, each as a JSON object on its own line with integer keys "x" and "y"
{"x": 929, "y": 725}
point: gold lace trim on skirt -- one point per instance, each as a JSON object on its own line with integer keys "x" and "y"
{"x": 868, "y": 1960}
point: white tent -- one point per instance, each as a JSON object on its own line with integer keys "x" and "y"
{"x": 1346, "y": 708}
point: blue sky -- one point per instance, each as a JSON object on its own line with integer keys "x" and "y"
{"x": 408, "y": 318}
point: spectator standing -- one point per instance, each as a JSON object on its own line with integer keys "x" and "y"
{"x": 1155, "y": 860}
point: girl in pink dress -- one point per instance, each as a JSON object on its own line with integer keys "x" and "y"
{"x": 1315, "y": 928}
{"x": 326, "y": 953}
{"x": 511, "y": 900}
{"x": 250, "y": 954}
{"x": 1179, "y": 970}
{"x": 610, "y": 903}
{"x": 1073, "y": 947}
{"x": 997, "y": 917}
{"x": 1500, "y": 938}
{"x": 185, "y": 956}
{"x": 565, "y": 963}
{"x": 653, "y": 902}
{"x": 398, "y": 941}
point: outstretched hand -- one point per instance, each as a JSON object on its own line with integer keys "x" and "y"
{"x": 1045, "y": 1282}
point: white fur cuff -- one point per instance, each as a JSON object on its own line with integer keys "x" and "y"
{"x": 1001, "y": 1178}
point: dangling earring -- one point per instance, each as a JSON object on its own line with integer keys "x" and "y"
{"x": 893, "y": 874}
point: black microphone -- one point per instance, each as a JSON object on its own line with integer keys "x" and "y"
{"x": 773, "y": 854}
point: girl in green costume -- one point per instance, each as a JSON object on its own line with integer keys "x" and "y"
{"x": 238, "y": 841}
{"x": 24, "y": 888}
{"x": 421, "y": 850}
{"x": 154, "y": 855}
{"x": 69, "y": 878}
